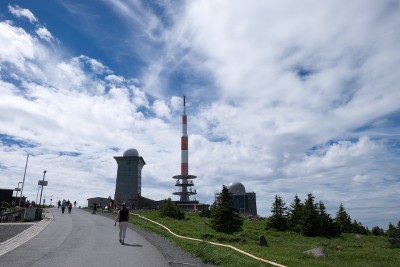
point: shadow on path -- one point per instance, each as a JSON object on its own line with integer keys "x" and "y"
{"x": 132, "y": 245}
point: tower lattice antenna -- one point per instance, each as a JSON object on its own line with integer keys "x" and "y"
{"x": 184, "y": 181}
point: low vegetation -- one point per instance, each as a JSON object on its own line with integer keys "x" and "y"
{"x": 289, "y": 231}
{"x": 284, "y": 247}
{"x": 169, "y": 209}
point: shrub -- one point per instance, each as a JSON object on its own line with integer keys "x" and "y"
{"x": 168, "y": 209}
{"x": 205, "y": 212}
{"x": 5, "y": 204}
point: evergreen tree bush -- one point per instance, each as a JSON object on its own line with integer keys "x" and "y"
{"x": 327, "y": 226}
{"x": 343, "y": 220}
{"x": 205, "y": 212}
{"x": 295, "y": 215}
{"x": 168, "y": 209}
{"x": 393, "y": 234}
{"x": 225, "y": 218}
{"x": 310, "y": 221}
{"x": 278, "y": 220}
{"x": 377, "y": 231}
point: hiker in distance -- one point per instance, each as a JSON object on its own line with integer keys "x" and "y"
{"x": 94, "y": 208}
{"x": 123, "y": 219}
{"x": 63, "y": 205}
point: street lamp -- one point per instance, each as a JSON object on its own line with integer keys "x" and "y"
{"x": 37, "y": 194}
{"x": 42, "y": 183}
{"x": 51, "y": 200}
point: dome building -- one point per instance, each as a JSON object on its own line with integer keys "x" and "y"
{"x": 245, "y": 202}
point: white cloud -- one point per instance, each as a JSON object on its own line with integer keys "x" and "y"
{"x": 43, "y": 33}
{"x": 290, "y": 91}
{"x": 22, "y": 12}
{"x": 115, "y": 79}
{"x": 161, "y": 109}
{"x": 17, "y": 45}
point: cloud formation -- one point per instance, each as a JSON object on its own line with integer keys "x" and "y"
{"x": 286, "y": 98}
{"x": 22, "y": 12}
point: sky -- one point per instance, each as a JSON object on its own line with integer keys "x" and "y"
{"x": 286, "y": 97}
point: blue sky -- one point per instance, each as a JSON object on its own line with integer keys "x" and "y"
{"x": 287, "y": 98}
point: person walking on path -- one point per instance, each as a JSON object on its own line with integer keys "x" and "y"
{"x": 123, "y": 220}
{"x": 69, "y": 207}
{"x": 94, "y": 208}
{"x": 63, "y": 205}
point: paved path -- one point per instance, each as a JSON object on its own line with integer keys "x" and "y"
{"x": 78, "y": 239}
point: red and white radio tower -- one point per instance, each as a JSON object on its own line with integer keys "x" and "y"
{"x": 184, "y": 180}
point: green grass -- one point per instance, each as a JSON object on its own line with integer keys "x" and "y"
{"x": 283, "y": 247}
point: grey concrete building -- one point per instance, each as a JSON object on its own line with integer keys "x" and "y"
{"x": 129, "y": 179}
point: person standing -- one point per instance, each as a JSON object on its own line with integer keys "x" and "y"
{"x": 123, "y": 220}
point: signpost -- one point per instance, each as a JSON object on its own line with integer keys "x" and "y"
{"x": 16, "y": 193}
{"x": 42, "y": 183}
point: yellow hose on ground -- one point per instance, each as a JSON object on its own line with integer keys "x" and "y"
{"x": 212, "y": 243}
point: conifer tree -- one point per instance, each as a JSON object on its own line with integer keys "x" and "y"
{"x": 327, "y": 226}
{"x": 310, "y": 220}
{"x": 391, "y": 231}
{"x": 225, "y": 218}
{"x": 278, "y": 219}
{"x": 343, "y": 220}
{"x": 295, "y": 215}
{"x": 376, "y": 230}
{"x": 358, "y": 228}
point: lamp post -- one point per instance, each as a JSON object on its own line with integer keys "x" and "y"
{"x": 23, "y": 181}
{"x": 37, "y": 194}
{"x": 41, "y": 192}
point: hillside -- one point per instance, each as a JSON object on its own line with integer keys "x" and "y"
{"x": 285, "y": 248}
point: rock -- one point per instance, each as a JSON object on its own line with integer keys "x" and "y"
{"x": 357, "y": 236}
{"x": 317, "y": 252}
{"x": 262, "y": 241}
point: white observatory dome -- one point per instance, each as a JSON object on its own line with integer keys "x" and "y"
{"x": 131, "y": 152}
{"x": 236, "y": 188}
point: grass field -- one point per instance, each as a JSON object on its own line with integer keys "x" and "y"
{"x": 283, "y": 247}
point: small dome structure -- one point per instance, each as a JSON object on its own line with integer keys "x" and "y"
{"x": 131, "y": 152}
{"x": 236, "y": 188}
